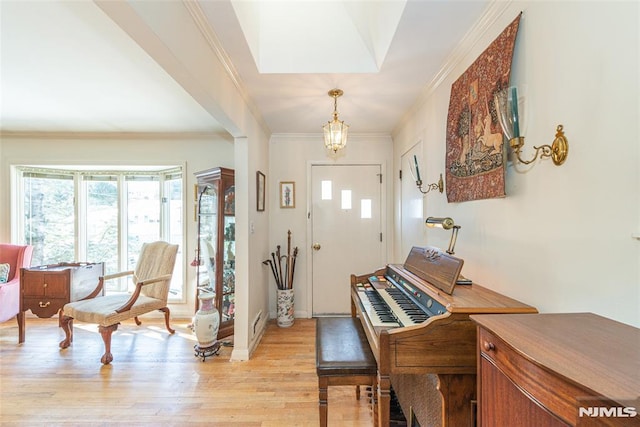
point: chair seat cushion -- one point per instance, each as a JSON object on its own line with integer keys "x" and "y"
{"x": 342, "y": 348}
{"x": 102, "y": 310}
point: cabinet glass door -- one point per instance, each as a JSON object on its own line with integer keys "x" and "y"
{"x": 208, "y": 235}
{"x": 229, "y": 256}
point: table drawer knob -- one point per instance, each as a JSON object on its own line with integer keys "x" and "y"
{"x": 488, "y": 346}
{"x": 45, "y": 285}
{"x": 44, "y": 304}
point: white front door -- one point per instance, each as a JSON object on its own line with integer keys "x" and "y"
{"x": 346, "y": 215}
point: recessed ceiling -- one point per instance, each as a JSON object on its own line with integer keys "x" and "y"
{"x": 373, "y": 102}
{"x": 68, "y": 66}
{"x": 318, "y": 37}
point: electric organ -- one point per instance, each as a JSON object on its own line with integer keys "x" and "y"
{"x": 416, "y": 319}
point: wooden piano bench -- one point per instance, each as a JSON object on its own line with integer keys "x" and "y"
{"x": 343, "y": 357}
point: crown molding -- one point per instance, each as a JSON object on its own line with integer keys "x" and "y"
{"x": 354, "y": 135}
{"x": 210, "y": 36}
{"x": 490, "y": 16}
{"x": 114, "y": 135}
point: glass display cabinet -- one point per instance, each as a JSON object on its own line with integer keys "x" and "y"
{"x": 216, "y": 245}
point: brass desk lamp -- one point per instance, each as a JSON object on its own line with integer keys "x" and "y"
{"x": 446, "y": 224}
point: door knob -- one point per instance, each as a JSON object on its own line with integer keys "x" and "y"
{"x": 316, "y": 246}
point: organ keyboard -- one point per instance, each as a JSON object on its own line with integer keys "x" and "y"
{"x": 415, "y": 327}
{"x": 388, "y": 304}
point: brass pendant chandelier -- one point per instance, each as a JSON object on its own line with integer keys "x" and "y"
{"x": 335, "y": 131}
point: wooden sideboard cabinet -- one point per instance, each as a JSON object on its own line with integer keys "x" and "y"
{"x": 46, "y": 289}
{"x": 573, "y": 369}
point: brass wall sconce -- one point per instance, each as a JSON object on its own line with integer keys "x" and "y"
{"x": 506, "y": 103}
{"x": 434, "y": 186}
{"x": 446, "y": 224}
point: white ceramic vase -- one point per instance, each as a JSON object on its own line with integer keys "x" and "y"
{"x": 285, "y": 308}
{"x": 206, "y": 321}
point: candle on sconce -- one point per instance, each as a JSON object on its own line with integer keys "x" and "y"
{"x": 415, "y": 159}
{"x": 514, "y": 112}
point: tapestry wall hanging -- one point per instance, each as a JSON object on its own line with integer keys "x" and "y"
{"x": 475, "y": 162}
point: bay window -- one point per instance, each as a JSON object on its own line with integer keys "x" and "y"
{"x": 76, "y": 214}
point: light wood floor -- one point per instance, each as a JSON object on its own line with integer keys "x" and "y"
{"x": 155, "y": 379}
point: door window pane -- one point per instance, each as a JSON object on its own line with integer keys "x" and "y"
{"x": 346, "y": 199}
{"x": 365, "y": 208}
{"x": 326, "y": 190}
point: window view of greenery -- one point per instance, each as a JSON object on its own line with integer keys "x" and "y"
{"x": 173, "y": 186}
{"x": 49, "y": 217}
{"x": 114, "y": 213}
{"x": 102, "y": 221}
{"x": 143, "y": 215}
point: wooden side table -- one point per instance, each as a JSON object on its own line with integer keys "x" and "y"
{"x": 46, "y": 289}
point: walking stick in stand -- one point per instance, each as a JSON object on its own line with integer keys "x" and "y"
{"x": 275, "y": 273}
{"x": 279, "y": 258}
{"x": 289, "y": 278}
{"x": 268, "y": 261}
{"x": 293, "y": 263}
{"x": 283, "y": 281}
{"x": 284, "y": 277}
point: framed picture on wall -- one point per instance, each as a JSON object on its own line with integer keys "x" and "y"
{"x": 287, "y": 194}
{"x": 260, "y": 187}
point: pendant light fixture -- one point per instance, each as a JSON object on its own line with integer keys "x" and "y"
{"x": 335, "y": 131}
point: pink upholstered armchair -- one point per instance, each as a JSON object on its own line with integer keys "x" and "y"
{"x": 17, "y": 257}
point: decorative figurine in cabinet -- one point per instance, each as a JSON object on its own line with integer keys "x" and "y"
{"x": 216, "y": 245}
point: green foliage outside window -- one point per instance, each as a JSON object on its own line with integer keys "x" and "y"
{"x": 109, "y": 208}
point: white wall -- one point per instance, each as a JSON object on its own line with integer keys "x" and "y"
{"x": 252, "y": 234}
{"x": 290, "y": 157}
{"x": 561, "y": 240}
{"x": 195, "y": 153}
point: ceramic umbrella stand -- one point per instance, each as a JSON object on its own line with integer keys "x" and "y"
{"x": 285, "y": 308}
{"x": 283, "y": 267}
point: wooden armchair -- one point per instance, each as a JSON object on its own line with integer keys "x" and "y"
{"x": 152, "y": 277}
